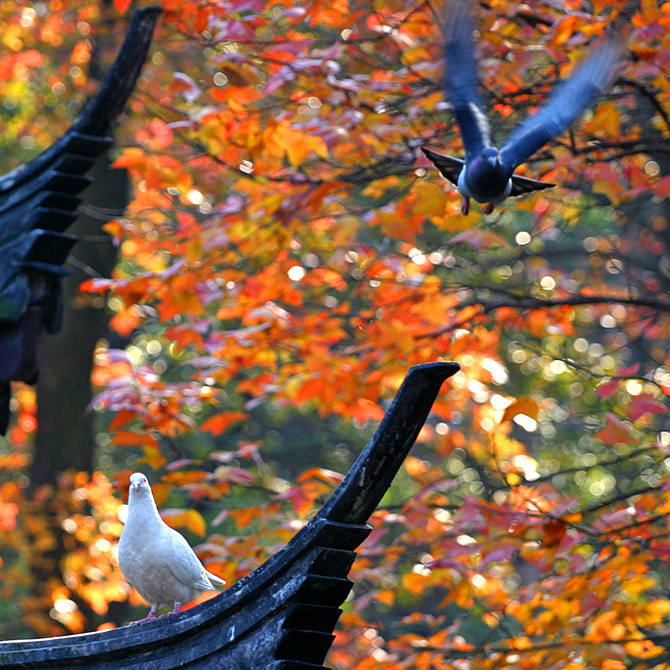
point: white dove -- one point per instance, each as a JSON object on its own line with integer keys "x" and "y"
{"x": 156, "y": 559}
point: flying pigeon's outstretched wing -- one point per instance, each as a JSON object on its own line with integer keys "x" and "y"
{"x": 521, "y": 185}
{"x": 448, "y": 166}
{"x": 591, "y": 79}
{"x": 460, "y": 79}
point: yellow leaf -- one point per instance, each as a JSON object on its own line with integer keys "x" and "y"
{"x": 415, "y": 54}
{"x": 431, "y": 198}
{"x": 153, "y": 456}
{"x": 523, "y": 405}
{"x": 185, "y": 518}
{"x": 608, "y": 187}
{"x": 607, "y": 117}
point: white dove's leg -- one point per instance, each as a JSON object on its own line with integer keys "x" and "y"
{"x": 177, "y": 608}
{"x": 149, "y": 617}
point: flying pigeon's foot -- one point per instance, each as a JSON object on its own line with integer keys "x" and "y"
{"x": 489, "y": 208}
{"x": 465, "y": 207}
{"x": 149, "y": 617}
{"x": 177, "y": 608}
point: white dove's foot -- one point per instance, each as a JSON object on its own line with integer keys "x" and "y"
{"x": 149, "y": 617}
{"x": 465, "y": 207}
{"x": 177, "y": 608}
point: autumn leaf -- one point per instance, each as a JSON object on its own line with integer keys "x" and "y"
{"x": 219, "y": 423}
{"x": 365, "y": 409}
{"x": 190, "y": 519}
{"x": 122, "y": 5}
{"x": 615, "y": 432}
{"x": 522, "y": 405}
{"x": 607, "y": 117}
{"x": 287, "y": 251}
{"x": 328, "y": 476}
{"x": 645, "y": 403}
{"x": 479, "y": 239}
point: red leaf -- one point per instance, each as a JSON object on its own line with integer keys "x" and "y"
{"x": 615, "y": 432}
{"x": 122, "y": 5}
{"x": 122, "y": 418}
{"x": 608, "y": 388}
{"x": 480, "y": 239}
{"x": 96, "y": 285}
{"x": 645, "y": 404}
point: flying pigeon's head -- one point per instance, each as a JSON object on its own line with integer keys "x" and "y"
{"x": 487, "y": 177}
{"x": 139, "y": 484}
{"x": 488, "y": 160}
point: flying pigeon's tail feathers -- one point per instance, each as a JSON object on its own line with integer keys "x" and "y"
{"x": 460, "y": 78}
{"x": 591, "y": 79}
{"x": 448, "y": 166}
{"x": 217, "y": 582}
{"x": 521, "y": 185}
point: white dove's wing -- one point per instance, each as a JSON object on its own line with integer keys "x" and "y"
{"x": 567, "y": 103}
{"x": 460, "y": 79}
{"x": 185, "y": 565}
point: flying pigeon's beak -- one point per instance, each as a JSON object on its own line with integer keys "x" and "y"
{"x": 493, "y": 160}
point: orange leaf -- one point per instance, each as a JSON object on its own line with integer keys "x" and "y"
{"x": 415, "y": 466}
{"x": 129, "y": 437}
{"x": 366, "y": 409}
{"x": 122, "y": 418}
{"x": 414, "y": 582}
{"x": 564, "y": 29}
{"x": 219, "y": 423}
{"x": 386, "y": 597}
{"x": 522, "y": 405}
{"x": 244, "y": 517}
{"x": 8, "y": 512}
{"x": 328, "y": 476}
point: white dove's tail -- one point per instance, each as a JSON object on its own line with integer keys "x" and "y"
{"x": 217, "y": 582}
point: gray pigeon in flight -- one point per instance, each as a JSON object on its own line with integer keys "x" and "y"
{"x": 487, "y": 173}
